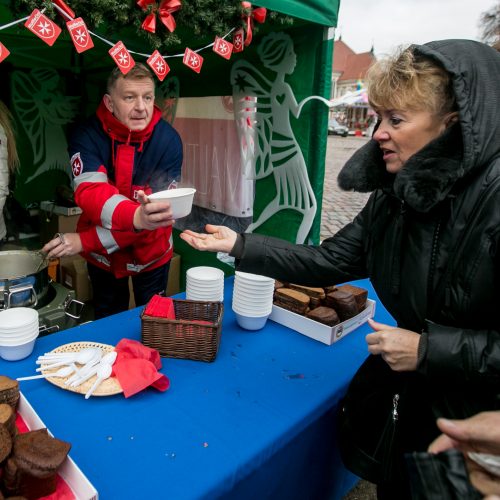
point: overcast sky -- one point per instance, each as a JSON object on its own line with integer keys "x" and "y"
{"x": 389, "y": 23}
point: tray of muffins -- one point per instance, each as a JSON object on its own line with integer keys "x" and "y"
{"x": 325, "y": 314}
{"x": 34, "y": 463}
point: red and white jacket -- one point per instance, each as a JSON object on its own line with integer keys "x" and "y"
{"x": 110, "y": 164}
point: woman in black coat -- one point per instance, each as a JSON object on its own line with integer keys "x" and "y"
{"x": 428, "y": 239}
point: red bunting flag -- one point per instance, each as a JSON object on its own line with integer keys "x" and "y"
{"x": 122, "y": 57}
{"x": 80, "y": 35}
{"x": 4, "y": 52}
{"x": 158, "y": 64}
{"x": 238, "y": 37}
{"x": 43, "y": 27}
{"x": 223, "y": 47}
{"x": 192, "y": 60}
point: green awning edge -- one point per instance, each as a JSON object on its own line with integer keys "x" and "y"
{"x": 323, "y": 12}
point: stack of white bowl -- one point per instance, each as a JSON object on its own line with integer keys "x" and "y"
{"x": 252, "y": 299}
{"x": 205, "y": 283}
{"x": 18, "y": 332}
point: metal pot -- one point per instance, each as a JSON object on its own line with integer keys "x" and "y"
{"x": 24, "y": 278}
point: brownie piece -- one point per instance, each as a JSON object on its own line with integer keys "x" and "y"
{"x": 360, "y": 294}
{"x": 325, "y": 315}
{"x": 291, "y": 300}
{"x": 5, "y": 443}
{"x": 317, "y": 293}
{"x": 343, "y": 302}
{"x": 9, "y": 391}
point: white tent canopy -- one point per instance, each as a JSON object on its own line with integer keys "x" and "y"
{"x": 357, "y": 98}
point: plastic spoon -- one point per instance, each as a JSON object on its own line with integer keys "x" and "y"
{"x": 82, "y": 357}
{"x": 67, "y": 357}
{"x": 84, "y": 374}
{"x": 62, "y": 372}
{"x": 103, "y": 372}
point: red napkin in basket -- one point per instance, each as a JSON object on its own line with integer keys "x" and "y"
{"x": 136, "y": 367}
{"x": 162, "y": 307}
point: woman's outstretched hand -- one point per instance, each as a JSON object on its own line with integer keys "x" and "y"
{"x": 216, "y": 239}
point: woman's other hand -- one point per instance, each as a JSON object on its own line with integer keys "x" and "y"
{"x": 480, "y": 434}
{"x": 63, "y": 245}
{"x": 216, "y": 239}
{"x": 398, "y": 347}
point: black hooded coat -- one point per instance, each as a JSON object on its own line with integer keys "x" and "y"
{"x": 429, "y": 240}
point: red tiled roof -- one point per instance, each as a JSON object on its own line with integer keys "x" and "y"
{"x": 350, "y": 65}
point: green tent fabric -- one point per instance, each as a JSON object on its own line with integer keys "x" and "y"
{"x": 83, "y": 76}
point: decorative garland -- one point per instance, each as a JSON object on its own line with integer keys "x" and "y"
{"x": 153, "y": 19}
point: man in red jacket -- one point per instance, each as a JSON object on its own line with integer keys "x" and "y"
{"x": 119, "y": 156}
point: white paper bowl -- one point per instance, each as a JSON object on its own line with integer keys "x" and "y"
{"x": 251, "y": 323}
{"x": 252, "y": 278}
{"x": 180, "y": 199}
{"x": 17, "y": 352}
{"x": 16, "y": 317}
{"x": 205, "y": 273}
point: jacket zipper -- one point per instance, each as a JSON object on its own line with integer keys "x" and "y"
{"x": 432, "y": 267}
{"x": 396, "y": 245}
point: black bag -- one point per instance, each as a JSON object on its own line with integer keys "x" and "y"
{"x": 368, "y": 430}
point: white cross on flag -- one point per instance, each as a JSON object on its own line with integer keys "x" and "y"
{"x": 122, "y": 57}
{"x": 43, "y": 27}
{"x": 4, "y": 52}
{"x": 238, "y": 38}
{"x": 80, "y": 35}
{"x": 158, "y": 64}
{"x": 223, "y": 47}
{"x": 192, "y": 60}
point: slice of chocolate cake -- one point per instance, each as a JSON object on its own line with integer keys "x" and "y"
{"x": 317, "y": 293}
{"x": 31, "y": 470}
{"x": 325, "y": 315}
{"x": 39, "y": 452}
{"x": 291, "y": 300}
{"x": 8, "y": 418}
{"x": 360, "y": 294}
{"x": 5, "y": 443}
{"x": 343, "y": 302}
{"x": 9, "y": 391}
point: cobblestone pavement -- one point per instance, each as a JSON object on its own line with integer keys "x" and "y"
{"x": 339, "y": 207}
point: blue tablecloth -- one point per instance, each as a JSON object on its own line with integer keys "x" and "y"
{"x": 258, "y": 422}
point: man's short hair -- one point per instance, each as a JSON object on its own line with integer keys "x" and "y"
{"x": 138, "y": 72}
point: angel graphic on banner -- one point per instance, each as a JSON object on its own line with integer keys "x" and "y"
{"x": 43, "y": 111}
{"x": 267, "y": 142}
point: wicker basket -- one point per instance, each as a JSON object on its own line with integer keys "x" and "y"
{"x": 184, "y": 337}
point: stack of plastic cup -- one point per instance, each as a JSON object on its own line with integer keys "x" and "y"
{"x": 252, "y": 299}
{"x": 205, "y": 283}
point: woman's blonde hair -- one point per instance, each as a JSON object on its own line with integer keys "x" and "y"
{"x": 409, "y": 81}
{"x": 6, "y": 122}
